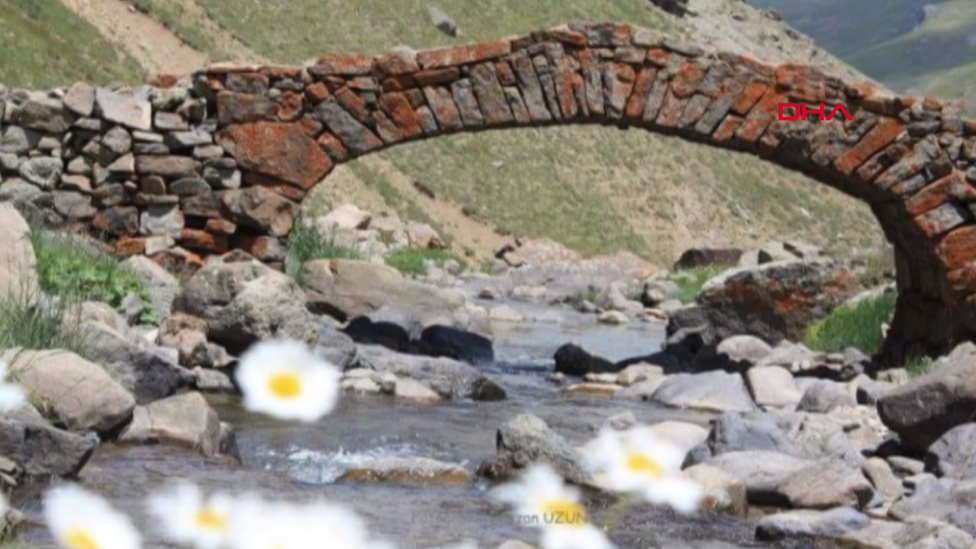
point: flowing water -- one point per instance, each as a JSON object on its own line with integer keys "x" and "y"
{"x": 301, "y": 461}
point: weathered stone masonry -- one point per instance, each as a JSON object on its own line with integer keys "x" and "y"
{"x": 186, "y": 169}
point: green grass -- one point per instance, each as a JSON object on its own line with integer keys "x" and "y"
{"x": 690, "y": 281}
{"x": 919, "y": 366}
{"x": 411, "y": 261}
{"x": 74, "y": 273}
{"x": 856, "y": 326}
{"x": 45, "y": 45}
{"x": 30, "y": 323}
{"x": 185, "y": 25}
{"x": 306, "y": 243}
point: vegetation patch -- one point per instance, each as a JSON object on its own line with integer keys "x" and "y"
{"x": 857, "y": 325}
{"x": 691, "y": 281}
{"x": 412, "y": 261}
{"x": 29, "y": 322}
{"x": 306, "y": 242}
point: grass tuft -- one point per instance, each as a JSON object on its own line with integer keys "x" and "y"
{"x": 412, "y": 261}
{"x": 857, "y": 325}
{"x": 691, "y": 281}
{"x": 306, "y": 243}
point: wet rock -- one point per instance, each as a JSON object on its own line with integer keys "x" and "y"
{"x": 923, "y": 409}
{"x": 716, "y": 391}
{"x": 724, "y": 492}
{"x": 954, "y": 454}
{"x": 591, "y": 389}
{"x": 772, "y": 386}
{"x": 573, "y": 360}
{"x": 614, "y": 318}
{"x": 40, "y": 450}
{"x": 79, "y": 393}
{"x": 830, "y": 523}
{"x": 445, "y": 341}
{"x": 448, "y": 378}
{"x": 762, "y": 471}
{"x": 637, "y": 373}
{"x": 823, "y": 396}
{"x": 244, "y": 301}
{"x": 409, "y": 470}
{"x": 347, "y": 288}
{"x": 825, "y": 485}
{"x": 335, "y": 346}
{"x": 184, "y": 419}
{"x": 364, "y": 330}
{"x": 411, "y": 389}
{"x": 213, "y": 381}
{"x": 527, "y": 439}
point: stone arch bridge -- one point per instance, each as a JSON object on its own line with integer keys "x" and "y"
{"x": 278, "y": 130}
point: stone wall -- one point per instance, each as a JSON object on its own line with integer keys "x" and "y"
{"x": 223, "y": 159}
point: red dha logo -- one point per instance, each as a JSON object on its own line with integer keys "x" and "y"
{"x": 800, "y": 112}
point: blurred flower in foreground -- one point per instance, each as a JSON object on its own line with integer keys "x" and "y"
{"x": 79, "y": 519}
{"x": 541, "y": 499}
{"x": 187, "y": 517}
{"x": 285, "y": 380}
{"x": 637, "y": 461}
{"x": 466, "y": 544}
{"x": 12, "y": 395}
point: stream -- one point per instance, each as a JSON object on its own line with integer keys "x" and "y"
{"x": 295, "y": 462}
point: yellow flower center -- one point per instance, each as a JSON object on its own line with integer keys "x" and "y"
{"x": 211, "y": 520}
{"x": 645, "y": 464}
{"x": 564, "y": 512}
{"x": 286, "y": 385}
{"x": 79, "y": 538}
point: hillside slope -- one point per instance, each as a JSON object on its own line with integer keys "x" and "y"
{"x": 596, "y": 189}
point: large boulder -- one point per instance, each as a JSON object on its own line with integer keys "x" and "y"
{"x": 40, "y": 450}
{"x": 244, "y": 301}
{"x": 923, "y": 409}
{"x": 527, "y": 439}
{"x": 706, "y": 257}
{"x": 18, "y": 276}
{"x": 447, "y": 377}
{"x": 573, "y": 360}
{"x": 445, "y": 341}
{"x": 777, "y": 300}
{"x": 345, "y": 289}
{"x": 185, "y": 420}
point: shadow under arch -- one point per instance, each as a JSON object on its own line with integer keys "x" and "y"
{"x": 906, "y": 157}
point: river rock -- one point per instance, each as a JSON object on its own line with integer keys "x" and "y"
{"x": 724, "y": 492}
{"x": 143, "y": 369}
{"x": 40, "y": 450}
{"x": 411, "y": 389}
{"x": 879, "y": 472}
{"x": 733, "y": 432}
{"x": 943, "y": 499}
{"x": 954, "y": 454}
{"x": 716, "y": 391}
{"x": 762, "y": 471}
{"x": 791, "y": 294}
{"x": 409, "y": 470}
{"x": 18, "y": 274}
{"x": 527, "y": 439}
{"x": 161, "y": 285}
{"x": 926, "y": 407}
{"x": 210, "y": 381}
{"x": 184, "y": 419}
{"x": 78, "y": 392}
{"x": 335, "y": 346}
{"x": 445, "y": 341}
{"x": 642, "y": 390}
{"x": 244, "y": 301}
{"x": 347, "y": 288}
{"x": 830, "y": 523}
{"x": 448, "y": 378}
{"x": 772, "y": 386}
{"x": 573, "y": 360}
{"x": 827, "y": 484}
{"x": 915, "y": 533}
{"x": 744, "y": 348}
{"x": 364, "y": 330}
{"x": 188, "y": 335}
{"x": 635, "y": 373}
{"x": 869, "y": 391}
{"x": 823, "y": 396}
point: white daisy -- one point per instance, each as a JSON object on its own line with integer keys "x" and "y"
{"x": 284, "y": 379}
{"x": 541, "y": 499}
{"x": 637, "y": 461}
{"x": 80, "y": 519}
{"x": 187, "y": 517}
{"x": 12, "y": 395}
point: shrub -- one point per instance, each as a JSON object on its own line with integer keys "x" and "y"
{"x": 411, "y": 260}
{"x": 306, "y": 243}
{"x": 75, "y": 273}
{"x": 691, "y": 281}
{"x": 857, "y": 325}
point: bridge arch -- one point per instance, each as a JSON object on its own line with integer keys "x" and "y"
{"x": 911, "y": 159}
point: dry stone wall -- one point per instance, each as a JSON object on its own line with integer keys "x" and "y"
{"x": 192, "y": 167}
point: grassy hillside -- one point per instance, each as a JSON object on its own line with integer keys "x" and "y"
{"x": 46, "y": 45}
{"x": 596, "y": 189}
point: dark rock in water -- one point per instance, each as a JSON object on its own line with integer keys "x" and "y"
{"x": 670, "y": 363}
{"x": 527, "y": 439}
{"x": 363, "y": 330}
{"x": 704, "y": 257}
{"x": 573, "y": 360}
{"x": 444, "y": 341}
{"x": 40, "y": 450}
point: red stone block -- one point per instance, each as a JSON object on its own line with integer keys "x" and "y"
{"x": 621, "y": 84}
{"x": 638, "y": 97}
{"x": 220, "y": 226}
{"x": 969, "y": 128}
{"x": 233, "y": 107}
{"x": 506, "y": 77}
{"x": 399, "y": 82}
{"x": 572, "y": 38}
{"x": 963, "y": 279}
{"x": 432, "y": 77}
{"x": 404, "y": 116}
{"x": 727, "y": 129}
{"x": 277, "y": 149}
{"x": 445, "y": 110}
{"x": 802, "y": 83}
{"x": 282, "y": 71}
{"x": 353, "y": 103}
{"x": 129, "y": 246}
{"x": 317, "y": 92}
{"x": 253, "y": 179}
{"x": 333, "y": 147}
{"x": 957, "y": 248}
{"x": 260, "y": 247}
{"x": 747, "y": 63}
{"x": 658, "y": 57}
{"x": 764, "y": 113}
{"x": 686, "y": 80}
{"x": 203, "y": 241}
{"x": 343, "y": 64}
{"x": 883, "y": 133}
{"x": 396, "y": 62}
{"x": 748, "y": 98}
{"x": 163, "y": 80}
{"x": 310, "y": 126}
{"x": 462, "y": 55}
{"x": 951, "y": 188}
{"x": 939, "y": 220}
{"x": 291, "y": 106}
{"x": 671, "y": 110}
